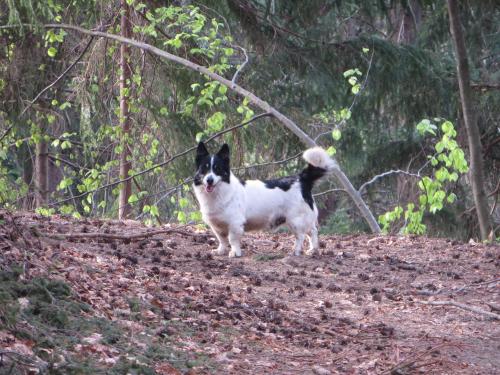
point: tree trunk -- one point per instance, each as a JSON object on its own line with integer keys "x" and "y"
{"x": 125, "y": 157}
{"x": 470, "y": 121}
{"x": 308, "y": 141}
{"x": 41, "y": 173}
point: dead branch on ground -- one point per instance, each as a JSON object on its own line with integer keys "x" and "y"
{"x": 474, "y": 309}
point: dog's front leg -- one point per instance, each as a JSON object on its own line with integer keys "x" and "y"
{"x": 223, "y": 242}
{"x": 299, "y": 241}
{"x": 235, "y": 234}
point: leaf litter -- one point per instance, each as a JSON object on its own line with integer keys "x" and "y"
{"x": 163, "y": 304}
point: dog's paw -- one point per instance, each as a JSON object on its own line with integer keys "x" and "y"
{"x": 234, "y": 254}
{"x": 311, "y": 252}
{"x": 219, "y": 251}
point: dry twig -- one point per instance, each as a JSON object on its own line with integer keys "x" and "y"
{"x": 125, "y": 237}
{"x": 474, "y": 309}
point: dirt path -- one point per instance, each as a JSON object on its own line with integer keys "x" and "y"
{"x": 357, "y": 309}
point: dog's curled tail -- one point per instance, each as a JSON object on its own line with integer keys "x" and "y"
{"x": 319, "y": 158}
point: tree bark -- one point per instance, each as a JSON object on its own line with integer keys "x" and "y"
{"x": 470, "y": 121}
{"x": 124, "y": 208}
{"x": 308, "y": 141}
{"x": 41, "y": 173}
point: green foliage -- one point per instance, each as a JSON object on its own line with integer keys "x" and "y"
{"x": 448, "y": 163}
{"x": 303, "y": 60}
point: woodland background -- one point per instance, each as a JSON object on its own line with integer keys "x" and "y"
{"x": 80, "y": 113}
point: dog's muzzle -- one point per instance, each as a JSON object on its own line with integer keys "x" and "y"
{"x": 209, "y": 187}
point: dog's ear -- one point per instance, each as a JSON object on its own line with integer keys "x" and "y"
{"x": 201, "y": 153}
{"x": 224, "y": 151}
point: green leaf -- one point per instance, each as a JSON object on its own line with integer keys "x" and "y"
{"x": 425, "y": 126}
{"x": 353, "y": 80}
{"x": 349, "y": 72}
{"x": 345, "y": 114}
{"x": 331, "y": 150}
{"x": 183, "y": 202}
{"x": 65, "y": 145}
{"x": 222, "y": 89}
{"x": 52, "y": 52}
{"x": 216, "y": 122}
{"x": 448, "y": 129}
{"x": 366, "y": 50}
{"x": 181, "y": 216}
{"x": 65, "y": 105}
{"x": 199, "y": 136}
{"x": 154, "y": 211}
{"x": 336, "y": 134}
{"x": 451, "y": 198}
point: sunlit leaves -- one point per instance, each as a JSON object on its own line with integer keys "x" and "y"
{"x": 448, "y": 164}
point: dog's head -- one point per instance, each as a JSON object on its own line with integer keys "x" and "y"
{"x": 211, "y": 170}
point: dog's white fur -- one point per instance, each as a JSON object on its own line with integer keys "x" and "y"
{"x": 232, "y": 207}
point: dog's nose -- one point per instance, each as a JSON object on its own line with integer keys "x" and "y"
{"x": 210, "y": 180}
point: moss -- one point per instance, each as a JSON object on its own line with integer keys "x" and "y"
{"x": 9, "y": 309}
{"x": 57, "y": 321}
{"x": 268, "y": 257}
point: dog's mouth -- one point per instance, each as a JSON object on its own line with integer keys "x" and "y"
{"x": 209, "y": 188}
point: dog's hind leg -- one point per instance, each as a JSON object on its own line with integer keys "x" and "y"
{"x": 313, "y": 241}
{"x": 235, "y": 234}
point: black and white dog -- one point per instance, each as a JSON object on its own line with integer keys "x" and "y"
{"x": 231, "y": 206}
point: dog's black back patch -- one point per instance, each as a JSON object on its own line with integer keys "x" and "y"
{"x": 284, "y": 183}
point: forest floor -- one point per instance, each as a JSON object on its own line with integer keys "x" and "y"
{"x": 89, "y": 296}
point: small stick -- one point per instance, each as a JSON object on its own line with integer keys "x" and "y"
{"x": 477, "y": 310}
{"x": 493, "y": 306}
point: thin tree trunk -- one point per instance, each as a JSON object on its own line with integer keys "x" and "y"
{"x": 308, "y": 141}
{"x": 41, "y": 173}
{"x": 470, "y": 120}
{"x": 125, "y": 157}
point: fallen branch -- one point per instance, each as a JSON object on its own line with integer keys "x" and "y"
{"x": 123, "y": 237}
{"x": 474, "y": 309}
{"x": 493, "y": 307}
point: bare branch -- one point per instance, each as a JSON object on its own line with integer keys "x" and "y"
{"x": 392, "y": 171}
{"x": 241, "y": 66}
{"x": 328, "y": 192}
